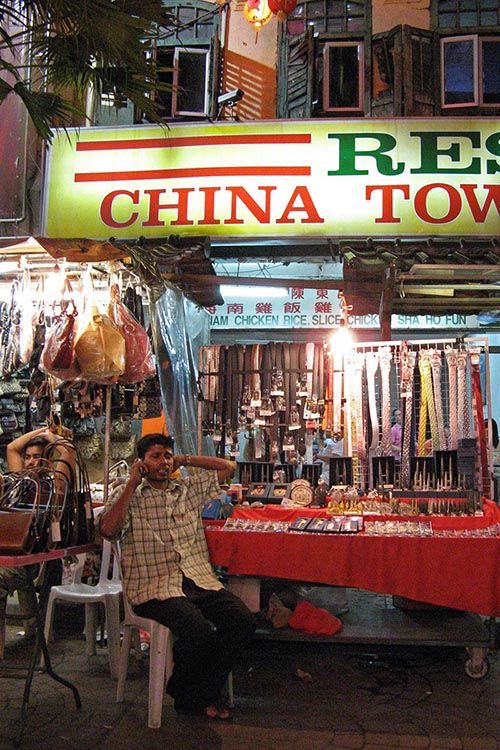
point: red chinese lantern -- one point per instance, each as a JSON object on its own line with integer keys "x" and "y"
{"x": 281, "y": 8}
{"x": 257, "y": 13}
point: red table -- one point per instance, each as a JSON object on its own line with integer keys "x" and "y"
{"x": 458, "y": 572}
{"x": 21, "y": 561}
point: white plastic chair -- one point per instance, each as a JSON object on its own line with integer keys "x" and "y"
{"x": 108, "y": 591}
{"x": 161, "y": 662}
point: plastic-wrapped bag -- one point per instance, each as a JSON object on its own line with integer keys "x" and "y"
{"x": 58, "y": 355}
{"x": 139, "y": 362}
{"x": 11, "y": 360}
{"x": 100, "y": 347}
{"x": 26, "y": 322}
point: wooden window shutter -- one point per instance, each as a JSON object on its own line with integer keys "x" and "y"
{"x": 295, "y": 75}
{"x": 419, "y": 66}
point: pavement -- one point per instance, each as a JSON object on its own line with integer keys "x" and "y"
{"x": 289, "y": 696}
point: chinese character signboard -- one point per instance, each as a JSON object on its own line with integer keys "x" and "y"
{"x": 318, "y": 308}
{"x": 334, "y": 178}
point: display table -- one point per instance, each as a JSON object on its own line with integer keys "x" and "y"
{"x": 459, "y": 572}
{"x": 39, "y": 644}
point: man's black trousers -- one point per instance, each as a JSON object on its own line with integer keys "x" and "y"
{"x": 211, "y": 628}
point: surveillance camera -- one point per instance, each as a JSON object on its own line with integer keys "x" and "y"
{"x": 230, "y": 97}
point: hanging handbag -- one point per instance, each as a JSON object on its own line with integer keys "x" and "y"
{"x": 122, "y": 449}
{"x": 16, "y": 532}
{"x": 139, "y": 362}
{"x": 12, "y": 360}
{"x": 26, "y": 322}
{"x": 150, "y": 405}
{"x": 25, "y": 513}
{"x": 100, "y": 348}
{"x": 90, "y": 447}
{"x": 58, "y": 355}
{"x": 120, "y": 429}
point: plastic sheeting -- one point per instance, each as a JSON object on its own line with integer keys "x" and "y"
{"x": 179, "y": 328}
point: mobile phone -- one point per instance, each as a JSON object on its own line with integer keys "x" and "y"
{"x": 143, "y": 471}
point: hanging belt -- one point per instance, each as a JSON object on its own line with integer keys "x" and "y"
{"x": 236, "y": 384}
{"x": 350, "y": 411}
{"x": 371, "y": 371}
{"x": 309, "y": 366}
{"x": 436, "y": 380}
{"x": 256, "y": 365}
{"x": 427, "y": 408}
{"x": 321, "y": 372}
{"x": 230, "y": 377}
{"x": 328, "y": 416}
{"x": 286, "y": 381}
{"x": 451, "y": 360}
{"x": 479, "y": 421}
{"x": 463, "y": 400}
{"x": 385, "y": 357}
{"x": 222, "y": 399}
{"x": 337, "y": 364}
{"x": 294, "y": 371}
{"x": 359, "y": 361}
{"x": 266, "y": 368}
{"x": 408, "y": 359}
{"x": 281, "y": 416}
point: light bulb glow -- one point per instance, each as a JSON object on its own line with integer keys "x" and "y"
{"x": 341, "y": 341}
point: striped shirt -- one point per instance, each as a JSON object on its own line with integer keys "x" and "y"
{"x": 163, "y": 537}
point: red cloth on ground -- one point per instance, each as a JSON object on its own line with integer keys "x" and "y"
{"x": 314, "y": 620}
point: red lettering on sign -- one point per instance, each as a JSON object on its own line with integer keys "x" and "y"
{"x": 455, "y": 203}
{"x": 107, "y": 208}
{"x": 155, "y": 207}
{"x": 477, "y": 212}
{"x": 305, "y": 205}
{"x": 263, "y": 215}
{"x": 387, "y": 201}
{"x": 263, "y": 308}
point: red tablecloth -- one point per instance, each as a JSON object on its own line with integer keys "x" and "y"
{"x": 491, "y": 515}
{"x": 458, "y": 572}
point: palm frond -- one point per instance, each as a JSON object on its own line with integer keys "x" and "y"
{"x": 77, "y": 43}
{"x": 44, "y": 107}
{"x": 5, "y": 89}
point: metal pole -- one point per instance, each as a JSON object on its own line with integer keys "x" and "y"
{"x": 107, "y": 429}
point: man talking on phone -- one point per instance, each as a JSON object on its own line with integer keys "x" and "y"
{"x": 167, "y": 572}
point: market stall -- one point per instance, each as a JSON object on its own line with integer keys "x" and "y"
{"x": 365, "y": 466}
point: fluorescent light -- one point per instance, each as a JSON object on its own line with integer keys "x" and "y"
{"x": 235, "y": 290}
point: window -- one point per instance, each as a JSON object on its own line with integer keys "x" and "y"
{"x": 343, "y": 76}
{"x": 322, "y": 67}
{"x": 490, "y": 64}
{"x": 327, "y": 17}
{"x": 185, "y": 71}
{"x": 470, "y": 74}
{"x": 466, "y": 14}
{"x": 190, "y": 92}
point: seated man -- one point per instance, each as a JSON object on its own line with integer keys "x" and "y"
{"x": 27, "y": 453}
{"x": 167, "y": 572}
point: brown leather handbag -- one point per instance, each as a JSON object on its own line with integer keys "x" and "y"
{"x": 24, "y": 521}
{"x": 16, "y": 532}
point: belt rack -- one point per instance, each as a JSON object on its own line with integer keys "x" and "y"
{"x": 287, "y": 398}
